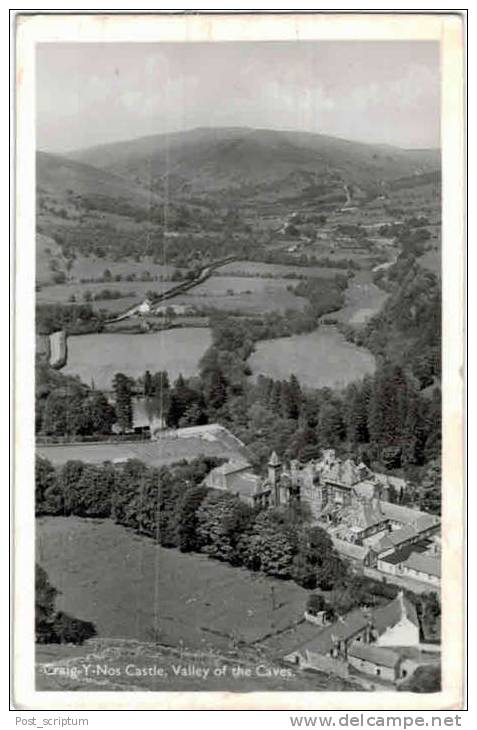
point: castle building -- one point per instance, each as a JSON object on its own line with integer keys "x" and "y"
{"x": 352, "y": 503}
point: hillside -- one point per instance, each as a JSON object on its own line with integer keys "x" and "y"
{"x": 185, "y": 198}
{"x": 57, "y": 175}
{"x": 205, "y": 160}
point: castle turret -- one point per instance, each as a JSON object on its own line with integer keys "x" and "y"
{"x": 294, "y": 472}
{"x": 274, "y": 477}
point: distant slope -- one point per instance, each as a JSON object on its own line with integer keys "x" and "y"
{"x": 203, "y": 160}
{"x": 49, "y": 259}
{"x": 56, "y": 175}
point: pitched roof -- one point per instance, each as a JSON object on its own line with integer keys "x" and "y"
{"x": 372, "y": 514}
{"x": 425, "y": 521}
{"x": 399, "y": 555}
{"x": 347, "y": 626}
{"x": 344, "y": 628}
{"x": 407, "y": 515}
{"x": 394, "y": 539}
{"x": 350, "y": 624}
{"x": 274, "y": 460}
{"x": 232, "y": 466}
{"x": 365, "y": 489}
{"x": 247, "y": 484}
{"x": 388, "y": 479}
{"x": 344, "y": 473}
{"x": 393, "y": 612}
{"x": 429, "y": 564}
{"x": 349, "y": 549}
{"x": 375, "y": 654}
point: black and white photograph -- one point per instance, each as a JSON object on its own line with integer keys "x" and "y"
{"x": 237, "y": 476}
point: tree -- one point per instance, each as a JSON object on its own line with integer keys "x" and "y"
{"x": 215, "y": 389}
{"x": 94, "y": 490}
{"x": 193, "y": 416}
{"x": 330, "y": 430}
{"x": 68, "y": 479}
{"x": 222, "y": 520}
{"x": 187, "y": 520}
{"x": 52, "y": 626}
{"x": 430, "y": 492}
{"x": 147, "y": 383}
{"x": 100, "y": 414}
{"x": 316, "y": 604}
{"x": 356, "y": 412}
{"x": 45, "y": 597}
{"x": 45, "y": 478}
{"x": 182, "y": 398}
{"x": 123, "y": 397}
{"x": 270, "y": 545}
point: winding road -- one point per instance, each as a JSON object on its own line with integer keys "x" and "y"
{"x": 204, "y": 273}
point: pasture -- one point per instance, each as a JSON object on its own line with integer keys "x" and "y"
{"x": 136, "y": 291}
{"x": 90, "y": 267}
{"x": 98, "y": 357}
{"x": 250, "y": 295}
{"x": 319, "y": 359}
{"x": 165, "y": 620}
{"x": 363, "y": 300}
{"x": 258, "y": 268}
{"x": 131, "y": 588}
{"x": 173, "y": 446}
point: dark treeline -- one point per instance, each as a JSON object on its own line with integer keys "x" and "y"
{"x": 407, "y": 331}
{"x": 75, "y": 319}
{"x": 52, "y": 626}
{"x": 171, "y": 505}
{"x": 64, "y": 406}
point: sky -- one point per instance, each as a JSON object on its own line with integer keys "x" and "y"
{"x": 378, "y": 92}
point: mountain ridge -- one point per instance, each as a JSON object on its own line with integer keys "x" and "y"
{"x": 208, "y": 159}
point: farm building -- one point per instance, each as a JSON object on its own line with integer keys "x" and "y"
{"x": 423, "y": 567}
{"x": 365, "y": 639}
{"x": 383, "y": 663}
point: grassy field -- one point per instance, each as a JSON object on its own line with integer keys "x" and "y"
{"x": 172, "y": 447}
{"x": 249, "y": 295}
{"x": 203, "y": 613}
{"x": 130, "y": 588}
{"x": 99, "y": 356}
{"x": 319, "y": 359}
{"x": 363, "y": 300}
{"x": 136, "y": 290}
{"x": 92, "y": 267}
{"x": 259, "y": 268}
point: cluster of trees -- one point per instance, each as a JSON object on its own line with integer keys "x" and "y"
{"x": 352, "y": 230}
{"x": 385, "y": 416}
{"x": 324, "y": 295}
{"x": 171, "y": 505}
{"x": 306, "y": 260}
{"x": 105, "y": 294}
{"x": 407, "y": 330}
{"x": 98, "y": 233}
{"x": 56, "y": 627}
{"x": 66, "y": 407}
{"x": 75, "y": 319}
